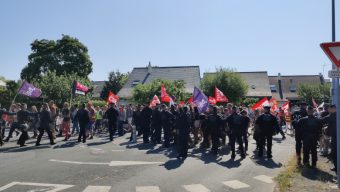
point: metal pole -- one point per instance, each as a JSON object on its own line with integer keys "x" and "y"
{"x": 336, "y": 99}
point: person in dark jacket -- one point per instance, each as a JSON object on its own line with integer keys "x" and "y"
{"x": 214, "y": 123}
{"x": 45, "y": 122}
{"x": 84, "y": 120}
{"x": 183, "y": 126}
{"x": 330, "y": 121}
{"x": 156, "y": 123}
{"x": 167, "y": 117}
{"x": 145, "y": 122}
{"x": 234, "y": 122}
{"x": 23, "y": 118}
{"x": 267, "y": 125}
{"x": 245, "y": 126}
{"x": 297, "y": 115}
{"x": 311, "y": 129}
{"x": 112, "y": 115}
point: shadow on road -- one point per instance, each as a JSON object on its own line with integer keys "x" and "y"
{"x": 172, "y": 164}
{"x": 23, "y": 149}
{"x": 317, "y": 174}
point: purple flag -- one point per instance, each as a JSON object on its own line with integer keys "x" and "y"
{"x": 29, "y": 90}
{"x": 200, "y": 100}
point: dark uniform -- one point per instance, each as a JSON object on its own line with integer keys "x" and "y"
{"x": 183, "y": 126}
{"x": 173, "y": 125}
{"x": 83, "y": 119}
{"x": 297, "y": 115}
{"x": 156, "y": 123}
{"x": 311, "y": 128}
{"x": 112, "y": 115}
{"x": 245, "y": 125}
{"x": 266, "y": 126}
{"x": 235, "y": 124}
{"x": 45, "y": 122}
{"x": 23, "y": 117}
{"x": 330, "y": 120}
{"x": 214, "y": 123}
{"x": 145, "y": 123}
{"x": 167, "y": 118}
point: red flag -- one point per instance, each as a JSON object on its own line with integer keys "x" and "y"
{"x": 285, "y": 108}
{"x": 274, "y": 104}
{"x": 190, "y": 100}
{"x": 154, "y": 101}
{"x": 181, "y": 103}
{"x": 220, "y": 97}
{"x": 112, "y": 98}
{"x": 164, "y": 95}
{"x": 315, "y": 105}
{"x": 212, "y": 100}
{"x": 261, "y": 104}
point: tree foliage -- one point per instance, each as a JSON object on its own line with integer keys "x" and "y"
{"x": 115, "y": 82}
{"x": 64, "y": 56}
{"x": 59, "y": 87}
{"x": 230, "y": 83}
{"x": 320, "y": 93}
{"x": 8, "y": 93}
{"x": 143, "y": 93}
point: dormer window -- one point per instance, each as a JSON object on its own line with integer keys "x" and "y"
{"x": 253, "y": 86}
{"x": 273, "y": 88}
{"x": 135, "y": 82}
{"x": 292, "y": 88}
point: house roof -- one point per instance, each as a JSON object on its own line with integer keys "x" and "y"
{"x": 258, "y": 83}
{"x": 97, "y": 88}
{"x": 143, "y": 75}
{"x": 292, "y": 81}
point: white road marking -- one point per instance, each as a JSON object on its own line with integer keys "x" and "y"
{"x": 148, "y": 189}
{"x": 56, "y": 187}
{"x": 196, "y": 188}
{"x": 92, "y": 188}
{"x": 235, "y": 184}
{"x": 78, "y": 162}
{"x": 124, "y": 163}
{"x": 118, "y": 150}
{"x": 264, "y": 178}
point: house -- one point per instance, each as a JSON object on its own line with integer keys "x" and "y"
{"x": 284, "y": 88}
{"x": 143, "y": 75}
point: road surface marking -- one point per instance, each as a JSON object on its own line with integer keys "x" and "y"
{"x": 148, "y": 189}
{"x": 264, "y": 178}
{"x": 118, "y": 150}
{"x": 56, "y": 187}
{"x": 196, "y": 188}
{"x": 124, "y": 163}
{"x": 92, "y": 188}
{"x": 235, "y": 184}
{"x": 78, "y": 162}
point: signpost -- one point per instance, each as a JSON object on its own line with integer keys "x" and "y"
{"x": 332, "y": 50}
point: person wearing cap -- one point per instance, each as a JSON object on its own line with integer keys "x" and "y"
{"x": 234, "y": 122}
{"x": 166, "y": 118}
{"x": 311, "y": 128}
{"x": 267, "y": 124}
{"x": 297, "y": 115}
{"x": 214, "y": 123}
{"x": 112, "y": 115}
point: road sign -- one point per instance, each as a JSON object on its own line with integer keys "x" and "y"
{"x": 332, "y": 50}
{"x": 334, "y": 73}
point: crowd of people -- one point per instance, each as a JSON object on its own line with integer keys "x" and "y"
{"x": 182, "y": 126}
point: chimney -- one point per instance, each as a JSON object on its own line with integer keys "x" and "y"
{"x": 149, "y": 67}
{"x": 280, "y": 85}
{"x": 322, "y": 79}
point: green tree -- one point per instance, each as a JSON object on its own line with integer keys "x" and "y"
{"x": 144, "y": 92}
{"x": 8, "y": 93}
{"x": 59, "y": 87}
{"x": 230, "y": 83}
{"x": 64, "y": 56}
{"x": 320, "y": 93}
{"x": 115, "y": 82}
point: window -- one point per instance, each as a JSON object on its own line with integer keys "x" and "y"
{"x": 135, "y": 82}
{"x": 273, "y": 88}
{"x": 292, "y": 88}
{"x": 253, "y": 86}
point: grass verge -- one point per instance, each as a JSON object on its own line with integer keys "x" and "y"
{"x": 284, "y": 179}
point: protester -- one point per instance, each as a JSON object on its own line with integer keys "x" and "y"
{"x": 83, "y": 117}
{"x": 44, "y": 125}
{"x": 65, "y": 126}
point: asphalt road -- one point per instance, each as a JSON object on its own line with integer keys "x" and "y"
{"x": 102, "y": 166}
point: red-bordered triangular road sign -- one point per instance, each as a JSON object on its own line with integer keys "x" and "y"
{"x": 332, "y": 50}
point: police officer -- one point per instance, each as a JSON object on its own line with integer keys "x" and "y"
{"x": 183, "y": 126}
{"x": 45, "y": 122}
{"x": 297, "y": 115}
{"x": 235, "y": 124}
{"x": 245, "y": 126}
{"x": 167, "y": 118}
{"x": 267, "y": 124}
{"x": 145, "y": 122}
{"x": 112, "y": 115}
{"x": 214, "y": 123}
{"x": 83, "y": 117}
{"x": 156, "y": 124}
{"x": 311, "y": 128}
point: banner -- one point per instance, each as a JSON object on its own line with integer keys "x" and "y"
{"x": 259, "y": 105}
{"x": 190, "y": 100}
{"x": 220, "y": 97}
{"x": 164, "y": 95}
{"x": 112, "y": 98}
{"x": 274, "y": 104}
{"x": 79, "y": 89}
{"x": 154, "y": 101}
{"x": 29, "y": 90}
{"x": 285, "y": 107}
{"x": 200, "y": 100}
{"x": 212, "y": 100}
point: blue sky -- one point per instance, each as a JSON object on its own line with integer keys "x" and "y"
{"x": 246, "y": 35}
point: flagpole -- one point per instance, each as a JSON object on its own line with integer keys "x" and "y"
{"x": 17, "y": 93}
